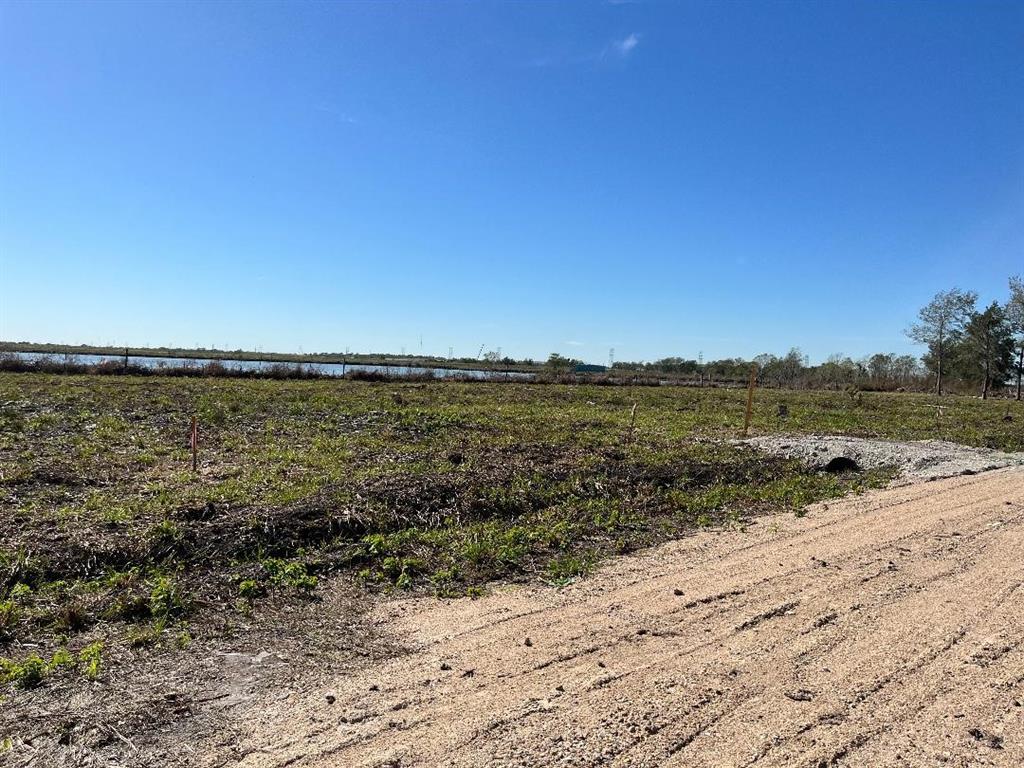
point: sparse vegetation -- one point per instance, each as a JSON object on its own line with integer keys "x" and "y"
{"x": 112, "y": 541}
{"x": 33, "y": 669}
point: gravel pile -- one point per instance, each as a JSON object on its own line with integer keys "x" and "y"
{"x": 916, "y": 461}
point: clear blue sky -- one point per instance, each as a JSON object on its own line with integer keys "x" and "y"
{"x": 659, "y": 177}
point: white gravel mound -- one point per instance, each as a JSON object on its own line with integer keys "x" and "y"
{"x": 916, "y": 461}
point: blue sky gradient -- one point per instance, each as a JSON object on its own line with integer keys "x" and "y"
{"x": 662, "y": 178}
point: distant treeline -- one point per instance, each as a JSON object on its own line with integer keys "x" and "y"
{"x": 882, "y": 372}
{"x": 967, "y": 350}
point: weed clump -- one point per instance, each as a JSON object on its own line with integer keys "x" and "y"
{"x": 33, "y": 669}
{"x": 277, "y": 573}
{"x": 90, "y": 658}
{"x": 165, "y": 598}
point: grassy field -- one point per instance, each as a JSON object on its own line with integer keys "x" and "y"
{"x": 110, "y": 542}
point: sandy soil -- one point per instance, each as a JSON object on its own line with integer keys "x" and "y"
{"x": 914, "y": 461}
{"x": 885, "y": 630}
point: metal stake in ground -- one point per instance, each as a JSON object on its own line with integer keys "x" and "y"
{"x": 194, "y": 443}
{"x": 750, "y": 398}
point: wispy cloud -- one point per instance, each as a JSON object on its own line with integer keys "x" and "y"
{"x": 626, "y": 45}
{"x": 343, "y": 117}
{"x": 616, "y": 49}
{"x": 575, "y": 344}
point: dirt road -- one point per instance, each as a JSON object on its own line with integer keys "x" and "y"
{"x": 886, "y": 630}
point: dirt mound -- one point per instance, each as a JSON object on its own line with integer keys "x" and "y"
{"x": 915, "y": 461}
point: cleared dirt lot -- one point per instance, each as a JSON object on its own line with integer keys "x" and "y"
{"x": 881, "y": 630}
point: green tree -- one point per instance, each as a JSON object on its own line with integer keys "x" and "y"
{"x": 988, "y": 346}
{"x": 939, "y": 323}
{"x": 559, "y": 363}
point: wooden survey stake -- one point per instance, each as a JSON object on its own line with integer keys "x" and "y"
{"x": 750, "y": 398}
{"x": 194, "y": 443}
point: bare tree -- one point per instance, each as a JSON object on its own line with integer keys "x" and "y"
{"x": 939, "y": 320}
{"x": 1015, "y": 314}
{"x": 881, "y": 367}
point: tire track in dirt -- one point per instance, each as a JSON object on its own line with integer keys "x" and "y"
{"x": 883, "y": 625}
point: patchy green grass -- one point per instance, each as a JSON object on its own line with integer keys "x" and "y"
{"x": 439, "y": 487}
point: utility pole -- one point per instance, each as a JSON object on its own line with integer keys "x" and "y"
{"x": 611, "y": 358}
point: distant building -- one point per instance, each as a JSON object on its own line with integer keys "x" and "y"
{"x": 588, "y": 368}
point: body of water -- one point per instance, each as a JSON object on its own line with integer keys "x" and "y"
{"x": 328, "y": 369}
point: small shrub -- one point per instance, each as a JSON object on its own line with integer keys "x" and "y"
{"x": 27, "y": 674}
{"x": 284, "y": 574}
{"x": 33, "y": 669}
{"x": 91, "y": 659}
{"x": 62, "y": 658}
{"x": 250, "y": 589}
{"x": 165, "y": 598}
